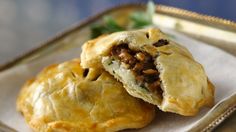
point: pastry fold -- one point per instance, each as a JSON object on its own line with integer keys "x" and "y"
{"x": 65, "y": 97}
{"x": 153, "y": 68}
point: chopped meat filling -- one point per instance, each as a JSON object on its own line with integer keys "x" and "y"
{"x": 141, "y": 64}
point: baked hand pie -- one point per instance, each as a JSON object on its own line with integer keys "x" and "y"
{"x": 153, "y": 68}
{"x": 66, "y": 97}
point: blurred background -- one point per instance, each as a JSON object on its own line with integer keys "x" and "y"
{"x": 26, "y": 23}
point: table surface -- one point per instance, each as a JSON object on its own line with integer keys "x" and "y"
{"x": 26, "y": 23}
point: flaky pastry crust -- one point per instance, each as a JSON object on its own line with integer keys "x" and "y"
{"x": 184, "y": 83}
{"x": 65, "y": 97}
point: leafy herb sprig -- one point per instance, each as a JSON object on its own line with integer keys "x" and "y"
{"x": 108, "y": 26}
{"x": 141, "y": 19}
{"x": 137, "y": 20}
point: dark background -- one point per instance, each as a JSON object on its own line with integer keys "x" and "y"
{"x": 25, "y": 23}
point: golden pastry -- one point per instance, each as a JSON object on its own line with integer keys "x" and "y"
{"x": 153, "y": 68}
{"x": 66, "y": 97}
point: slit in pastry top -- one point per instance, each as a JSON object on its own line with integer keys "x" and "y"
{"x": 153, "y": 68}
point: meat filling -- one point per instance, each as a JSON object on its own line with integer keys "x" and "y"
{"x": 142, "y": 66}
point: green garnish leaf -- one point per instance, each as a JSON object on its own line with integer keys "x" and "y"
{"x": 150, "y": 10}
{"x": 109, "y": 26}
{"x": 141, "y": 19}
{"x": 137, "y": 20}
{"x": 97, "y": 30}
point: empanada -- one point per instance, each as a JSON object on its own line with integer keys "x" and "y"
{"x": 152, "y": 68}
{"x": 66, "y": 97}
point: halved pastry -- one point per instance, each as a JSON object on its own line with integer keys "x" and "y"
{"x": 153, "y": 68}
{"x": 66, "y": 97}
